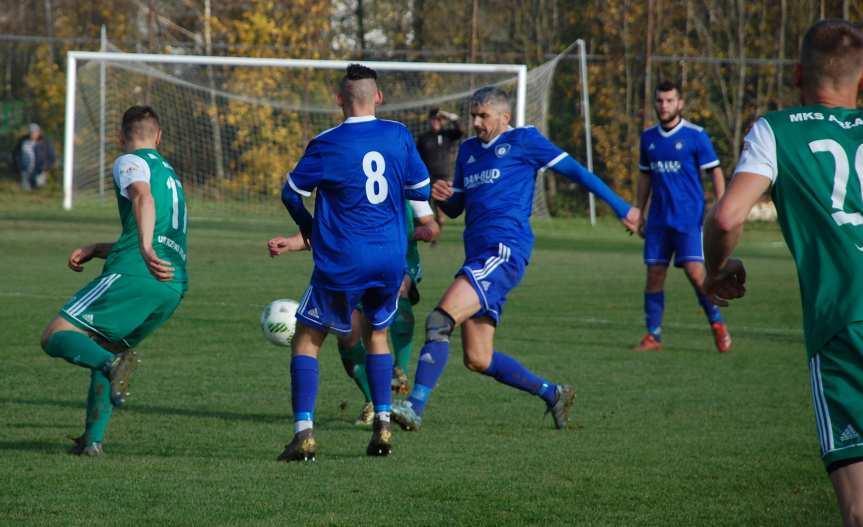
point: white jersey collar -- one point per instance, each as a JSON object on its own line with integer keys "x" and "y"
{"x": 493, "y": 141}
{"x": 671, "y": 132}
{"x": 360, "y": 119}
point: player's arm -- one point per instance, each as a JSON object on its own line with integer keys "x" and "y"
{"x": 82, "y": 255}
{"x": 144, "y": 209}
{"x": 300, "y": 182}
{"x": 426, "y": 229}
{"x": 293, "y": 201}
{"x": 571, "y": 169}
{"x": 642, "y": 194}
{"x": 726, "y": 276}
{"x": 756, "y": 170}
{"x": 280, "y": 244}
{"x": 718, "y": 181}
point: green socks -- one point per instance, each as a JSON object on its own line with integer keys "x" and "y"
{"x": 99, "y": 407}
{"x": 354, "y": 361}
{"x": 402, "y": 334}
{"x": 79, "y": 349}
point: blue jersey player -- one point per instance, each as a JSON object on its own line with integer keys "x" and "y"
{"x": 673, "y": 154}
{"x": 493, "y": 184}
{"x": 363, "y": 170}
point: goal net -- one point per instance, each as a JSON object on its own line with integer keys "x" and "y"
{"x": 233, "y": 127}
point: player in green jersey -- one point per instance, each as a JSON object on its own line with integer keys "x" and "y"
{"x": 421, "y": 225}
{"x": 810, "y": 158}
{"x": 142, "y": 282}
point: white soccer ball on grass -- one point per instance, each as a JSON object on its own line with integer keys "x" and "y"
{"x": 278, "y": 321}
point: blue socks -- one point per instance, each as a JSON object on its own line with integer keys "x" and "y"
{"x": 432, "y": 361}
{"x": 509, "y": 371}
{"x": 379, "y": 369}
{"x": 710, "y": 309}
{"x": 304, "y": 390}
{"x": 654, "y": 305}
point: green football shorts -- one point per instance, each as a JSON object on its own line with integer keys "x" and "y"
{"x": 837, "y": 394}
{"x": 122, "y": 308}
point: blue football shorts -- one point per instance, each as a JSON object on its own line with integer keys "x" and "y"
{"x": 493, "y": 273}
{"x": 330, "y": 311}
{"x": 660, "y": 243}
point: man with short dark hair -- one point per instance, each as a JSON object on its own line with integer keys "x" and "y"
{"x": 810, "y": 158}
{"x": 493, "y": 185}
{"x": 673, "y": 155}
{"x": 436, "y": 146}
{"x": 363, "y": 171}
{"x": 142, "y": 283}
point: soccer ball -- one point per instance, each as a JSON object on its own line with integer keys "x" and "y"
{"x": 278, "y": 321}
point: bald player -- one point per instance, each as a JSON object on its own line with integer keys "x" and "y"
{"x": 810, "y": 159}
{"x": 363, "y": 171}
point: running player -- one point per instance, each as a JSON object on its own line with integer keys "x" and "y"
{"x": 494, "y": 183}
{"x": 142, "y": 282}
{"x": 804, "y": 156}
{"x": 673, "y": 154}
{"x": 363, "y": 169}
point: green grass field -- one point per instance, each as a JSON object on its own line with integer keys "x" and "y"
{"x": 682, "y": 437}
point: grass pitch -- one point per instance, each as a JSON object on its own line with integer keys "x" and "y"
{"x": 682, "y": 437}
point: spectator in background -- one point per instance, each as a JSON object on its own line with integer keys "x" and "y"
{"x": 33, "y": 157}
{"x": 436, "y": 147}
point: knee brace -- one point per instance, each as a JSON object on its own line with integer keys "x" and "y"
{"x": 439, "y": 326}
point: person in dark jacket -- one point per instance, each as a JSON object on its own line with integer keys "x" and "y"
{"x": 436, "y": 146}
{"x": 33, "y": 157}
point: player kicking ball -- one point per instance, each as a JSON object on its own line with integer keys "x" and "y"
{"x": 142, "y": 282}
{"x": 810, "y": 158}
{"x": 493, "y": 185}
{"x": 673, "y": 154}
{"x": 363, "y": 170}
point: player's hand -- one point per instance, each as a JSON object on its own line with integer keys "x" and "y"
{"x": 280, "y": 244}
{"x": 423, "y": 234}
{"x": 726, "y": 284}
{"x": 79, "y": 257}
{"x": 632, "y": 220}
{"x": 441, "y": 190}
{"x": 161, "y": 269}
{"x": 641, "y": 225}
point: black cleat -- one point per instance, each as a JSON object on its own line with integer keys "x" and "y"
{"x": 303, "y": 447}
{"x": 82, "y": 448}
{"x": 381, "y": 443}
{"x": 562, "y": 406}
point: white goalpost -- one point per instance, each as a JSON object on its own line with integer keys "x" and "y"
{"x": 235, "y": 125}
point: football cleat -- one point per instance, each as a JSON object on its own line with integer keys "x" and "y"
{"x": 403, "y": 414}
{"x": 303, "y": 447}
{"x": 367, "y": 415}
{"x": 400, "y": 381}
{"x": 648, "y": 343}
{"x": 562, "y": 406}
{"x": 381, "y": 443}
{"x": 122, "y": 368}
{"x": 82, "y": 448}
{"x": 721, "y": 336}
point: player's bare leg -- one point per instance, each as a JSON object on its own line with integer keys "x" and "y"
{"x": 654, "y": 304}
{"x": 379, "y": 371}
{"x": 695, "y": 273}
{"x": 305, "y": 347}
{"x": 477, "y": 336}
{"x": 848, "y": 483}
{"x": 459, "y": 302}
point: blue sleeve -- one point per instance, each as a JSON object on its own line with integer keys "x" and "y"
{"x": 294, "y": 203}
{"x": 706, "y": 155}
{"x": 643, "y": 160}
{"x": 417, "y": 182}
{"x": 309, "y": 171}
{"x": 455, "y": 204}
{"x": 539, "y": 151}
{"x": 573, "y": 170}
